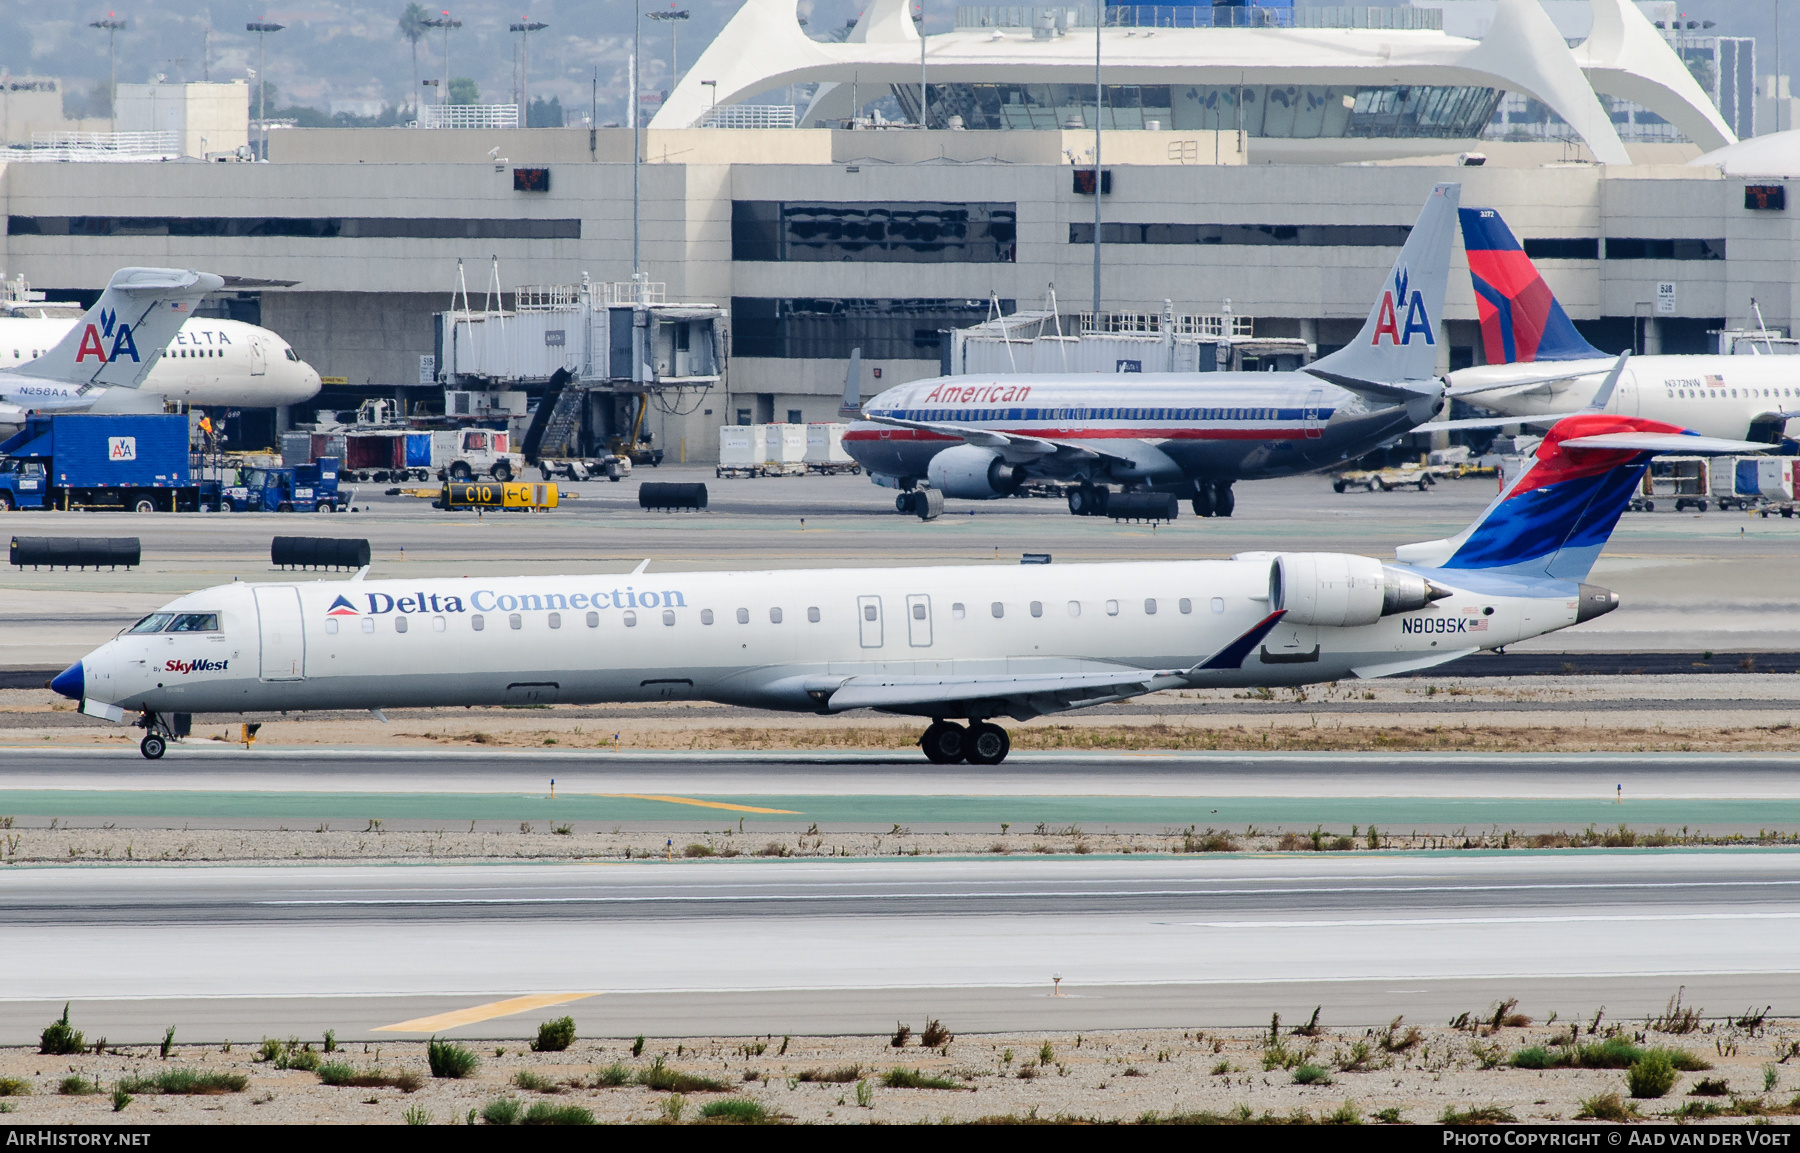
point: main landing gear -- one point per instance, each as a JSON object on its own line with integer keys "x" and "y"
{"x": 1088, "y": 499}
{"x": 160, "y": 729}
{"x": 947, "y": 743}
{"x": 1213, "y": 498}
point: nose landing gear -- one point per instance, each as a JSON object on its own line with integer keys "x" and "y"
{"x": 947, "y": 743}
{"x": 160, "y": 729}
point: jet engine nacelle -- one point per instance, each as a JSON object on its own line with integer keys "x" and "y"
{"x": 972, "y": 473}
{"x": 1336, "y": 589}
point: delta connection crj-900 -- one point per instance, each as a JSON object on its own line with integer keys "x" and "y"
{"x": 961, "y": 644}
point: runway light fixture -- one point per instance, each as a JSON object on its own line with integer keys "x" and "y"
{"x": 525, "y": 28}
{"x": 262, "y": 28}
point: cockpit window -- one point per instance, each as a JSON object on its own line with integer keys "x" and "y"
{"x": 291, "y": 354}
{"x": 195, "y": 623}
{"x": 154, "y": 623}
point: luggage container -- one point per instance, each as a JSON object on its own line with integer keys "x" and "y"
{"x": 740, "y": 450}
{"x": 784, "y": 450}
{"x": 1687, "y": 480}
{"x": 825, "y": 450}
{"x": 296, "y": 449}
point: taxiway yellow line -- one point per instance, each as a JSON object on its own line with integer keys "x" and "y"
{"x": 485, "y": 1012}
{"x": 698, "y": 803}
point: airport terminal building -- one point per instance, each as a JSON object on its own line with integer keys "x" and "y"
{"x": 1269, "y": 157}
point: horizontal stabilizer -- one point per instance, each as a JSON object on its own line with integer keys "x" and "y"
{"x": 1379, "y": 393}
{"x": 1519, "y": 382}
{"x": 1669, "y": 442}
{"x": 1547, "y": 418}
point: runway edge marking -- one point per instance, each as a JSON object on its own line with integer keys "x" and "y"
{"x": 487, "y": 1012}
{"x": 696, "y": 802}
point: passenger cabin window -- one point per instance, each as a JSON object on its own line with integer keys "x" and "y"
{"x": 195, "y": 623}
{"x": 705, "y": 616}
{"x": 514, "y": 620}
{"x": 869, "y": 612}
{"x": 438, "y": 624}
{"x": 957, "y": 612}
{"x": 630, "y": 619}
{"x": 1149, "y": 606}
{"x": 918, "y": 612}
{"x": 812, "y": 614}
{"x": 477, "y": 622}
{"x": 743, "y": 616}
{"x": 593, "y": 620}
{"x": 368, "y": 624}
{"x": 331, "y": 627}
{"x": 774, "y": 616}
{"x": 154, "y": 623}
{"x": 1218, "y": 604}
{"x": 399, "y": 624}
{"x": 1074, "y": 608}
{"x": 1112, "y": 608}
{"x": 555, "y": 620}
{"x": 668, "y": 616}
{"x": 1037, "y": 609}
{"x": 1185, "y": 605}
{"x": 999, "y": 610}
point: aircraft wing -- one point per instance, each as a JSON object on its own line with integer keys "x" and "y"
{"x": 1547, "y": 418}
{"x": 1029, "y": 695}
{"x": 1016, "y": 448}
{"x": 1672, "y": 442}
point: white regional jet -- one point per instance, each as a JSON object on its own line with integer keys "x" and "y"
{"x": 1194, "y": 434}
{"x": 205, "y": 362}
{"x": 1540, "y": 368}
{"x": 952, "y": 644}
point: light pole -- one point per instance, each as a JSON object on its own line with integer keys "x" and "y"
{"x": 525, "y": 28}
{"x": 637, "y": 267}
{"x": 672, "y": 15}
{"x": 1099, "y": 106}
{"x": 262, "y": 28}
{"x": 111, "y": 25}
{"x": 446, "y": 23}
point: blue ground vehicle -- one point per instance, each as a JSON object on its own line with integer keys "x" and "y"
{"x": 302, "y": 488}
{"x": 137, "y": 463}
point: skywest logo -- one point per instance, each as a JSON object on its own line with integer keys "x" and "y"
{"x": 199, "y": 666}
{"x": 122, "y": 344}
{"x": 1387, "y": 319}
{"x": 487, "y": 601}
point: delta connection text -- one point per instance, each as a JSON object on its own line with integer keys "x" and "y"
{"x": 487, "y": 601}
{"x": 1614, "y": 1138}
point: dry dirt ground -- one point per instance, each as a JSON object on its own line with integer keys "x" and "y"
{"x": 1393, "y": 1074}
{"x": 1748, "y": 712}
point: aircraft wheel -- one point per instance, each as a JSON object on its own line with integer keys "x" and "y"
{"x": 153, "y": 747}
{"x": 1077, "y": 502}
{"x": 903, "y": 503}
{"x": 988, "y": 744}
{"x": 1225, "y": 500}
{"x": 1206, "y": 499}
{"x": 944, "y": 743}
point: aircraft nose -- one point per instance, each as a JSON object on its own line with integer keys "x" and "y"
{"x": 71, "y": 682}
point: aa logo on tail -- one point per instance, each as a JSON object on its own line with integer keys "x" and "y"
{"x": 122, "y": 343}
{"x": 1387, "y": 319}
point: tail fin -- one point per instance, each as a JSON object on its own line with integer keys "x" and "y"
{"x": 124, "y": 334}
{"x": 1555, "y": 516}
{"x": 851, "y": 407}
{"x": 1399, "y": 340}
{"x": 1521, "y": 321}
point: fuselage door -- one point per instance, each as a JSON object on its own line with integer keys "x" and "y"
{"x": 918, "y": 620}
{"x": 259, "y": 360}
{"x": 868, "y": 621}
{"x": 1309, "y": 416}
{"x": 282, "y": 632}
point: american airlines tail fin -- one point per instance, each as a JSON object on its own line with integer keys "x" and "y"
{"x": 851, "y": 408}
{"x": 124, "y": 334}
{"x": 1521, "y": 321}
{"x": 1555, "y": 516}
{"x": 1399, "y": 341}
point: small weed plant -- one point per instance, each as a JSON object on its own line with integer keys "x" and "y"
{"x": 14, "y": 1087}
{"x": 865, "y": 1095}
{"x": 735, "y": 1110}
{"x": 554, "y": 1036}
{"x": 666, "y": 1080}
{"x": 1311, "y": 1075}
{"x": 612, "y": 1076}
{"x": 186, "y": 1082}
{"x": 1606, "y": 1107}
{"x": 899, "y": 1078}
{"x": 75, "y": 1085}
{"x": 535, "y": 1082}
{"x": 60, "y": 1038}
{"x": 1651, "y": 1076}
{"x": 343, "y": 1074}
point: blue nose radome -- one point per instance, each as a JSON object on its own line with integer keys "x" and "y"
{"x": 71, "y": 682}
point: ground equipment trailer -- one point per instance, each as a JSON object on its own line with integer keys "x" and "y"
{"x": 139, "y": 463}
{"x": 302, "y": 488}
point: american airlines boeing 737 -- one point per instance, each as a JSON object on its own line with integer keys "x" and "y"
{"x": 979, "y": 438}
{"x": 952, "y": 644}
{"x": 1540, "y": 368}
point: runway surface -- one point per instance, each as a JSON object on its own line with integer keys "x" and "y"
{"x": 827, "y": 946}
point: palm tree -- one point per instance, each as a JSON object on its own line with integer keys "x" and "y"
{"x": 412, "y": 26}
